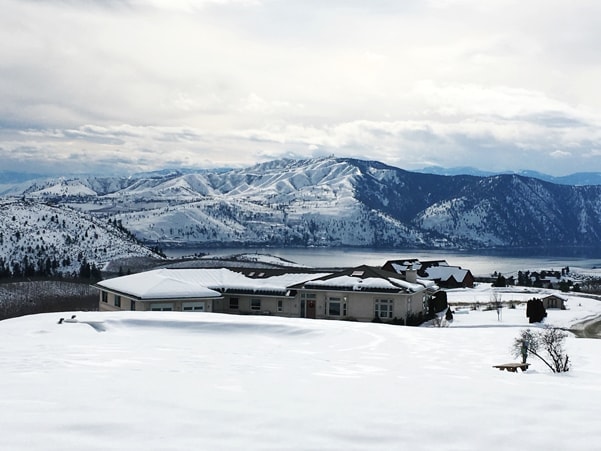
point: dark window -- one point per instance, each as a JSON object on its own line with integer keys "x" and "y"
{"x": 234, "y": 305}
{"x": 255, "y": 304}
{"x": 335, "y": 307}
{"x": 117, "y": 300}
{"x": 383, "y": 308}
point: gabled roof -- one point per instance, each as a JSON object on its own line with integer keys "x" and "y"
{"x": 363, "y": 278}
{"x": 431, "y": 270}
{"x": 445, "y": 273}
{"x": 557, "y": 296}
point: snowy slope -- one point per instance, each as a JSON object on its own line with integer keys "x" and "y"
{"x": 182, "y": 381}
{"x": 41, "y": 235}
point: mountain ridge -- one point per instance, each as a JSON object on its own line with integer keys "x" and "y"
{"x": 335, "y": 202}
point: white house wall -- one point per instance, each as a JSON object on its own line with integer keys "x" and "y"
{"x": 354, "y": 304}
{"x": 115, "y": 302}
{"x": 360, "y": 306}
{"x": 269, "y": 305}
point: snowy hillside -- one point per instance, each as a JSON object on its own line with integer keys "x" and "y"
{"x": 37, "y": 238}
{"x": 336, "y": 202}
{"x": 184, "y": 381}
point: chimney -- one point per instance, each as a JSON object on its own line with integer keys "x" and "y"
{"x": 411, "y": 274}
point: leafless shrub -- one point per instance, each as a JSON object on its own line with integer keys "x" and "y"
{"x": 547, "y": 342}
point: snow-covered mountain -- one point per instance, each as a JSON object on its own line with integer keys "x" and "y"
{"x": 334, "y": 202}
{"x": 37, "y": 238}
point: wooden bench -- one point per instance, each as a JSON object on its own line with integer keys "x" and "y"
{"x": 512, "y": 367}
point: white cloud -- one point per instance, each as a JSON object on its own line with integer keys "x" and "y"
{"x": 235, "y": 81}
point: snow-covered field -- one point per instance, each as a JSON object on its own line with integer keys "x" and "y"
{"x": 202, "y": 381}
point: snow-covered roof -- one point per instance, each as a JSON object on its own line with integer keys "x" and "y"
{"x": 159, "y": 284}
{"x": 409, "y": 286}
{"x": 198, "y": 283}
{"x": 446, "y": 272}
{"x": 440, "y": 271}
{"x": 429, "y": 284}
{"x": 355, "y": 283}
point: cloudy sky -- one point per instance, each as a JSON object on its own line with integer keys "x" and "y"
{"x": 135, "y": 85}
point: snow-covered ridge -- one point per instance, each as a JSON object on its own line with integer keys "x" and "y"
{"x": 336, "y": 202}
{"x": 49, "y": 240}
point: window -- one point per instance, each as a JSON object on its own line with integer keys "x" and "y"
{"x": 193, "y": 306}
{"x": 132, "y": 304}
{"x": 280, "y": 305}
{"x": 255, "y": 304}
{"x": 383, "y": 308}
{"x": 117, "y": 300}
{"x": 161, "y": 307}
{"x": 234, "y": 305}
{"x": 104, "y": 296}
{"x": 336, "y": 307}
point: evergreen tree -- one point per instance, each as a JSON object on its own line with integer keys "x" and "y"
{"x": 84, "y": 270}
{"x": 535, "y": 310}
{"x": 500, "y": 282}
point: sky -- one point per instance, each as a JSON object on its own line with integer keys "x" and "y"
{"x": 110, "y": 86}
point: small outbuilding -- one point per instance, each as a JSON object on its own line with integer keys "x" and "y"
{"x": 555, "y": 301}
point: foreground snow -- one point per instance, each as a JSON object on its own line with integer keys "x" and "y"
{"x": 184, "y": 381}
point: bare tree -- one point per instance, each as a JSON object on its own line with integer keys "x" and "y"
{"x": 549, "y": 341}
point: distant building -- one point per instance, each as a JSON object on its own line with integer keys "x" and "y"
{"x": 438, "y": 271}
{"x": 554, "y": 301}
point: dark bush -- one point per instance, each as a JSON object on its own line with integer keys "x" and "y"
{"x": 437, "y": 303}
{"x": 535, "y": 310}
{"x": 449, "y": 315}
{"x": 414, "y": 319}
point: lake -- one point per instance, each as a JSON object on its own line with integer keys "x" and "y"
{"x": 481, "y": 263}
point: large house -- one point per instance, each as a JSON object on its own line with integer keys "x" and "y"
{"x": 363, "y": 293}
{"x": 438, "y": 271}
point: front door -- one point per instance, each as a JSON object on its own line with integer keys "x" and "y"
{"x": 311, "y": 309}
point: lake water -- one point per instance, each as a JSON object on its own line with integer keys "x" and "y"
{"x": 482, "y": 263}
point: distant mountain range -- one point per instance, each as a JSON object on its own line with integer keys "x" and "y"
{"x": 332, "y": 202}
{"x": 9, "y": 178}
{"x": 577, "y": 179}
